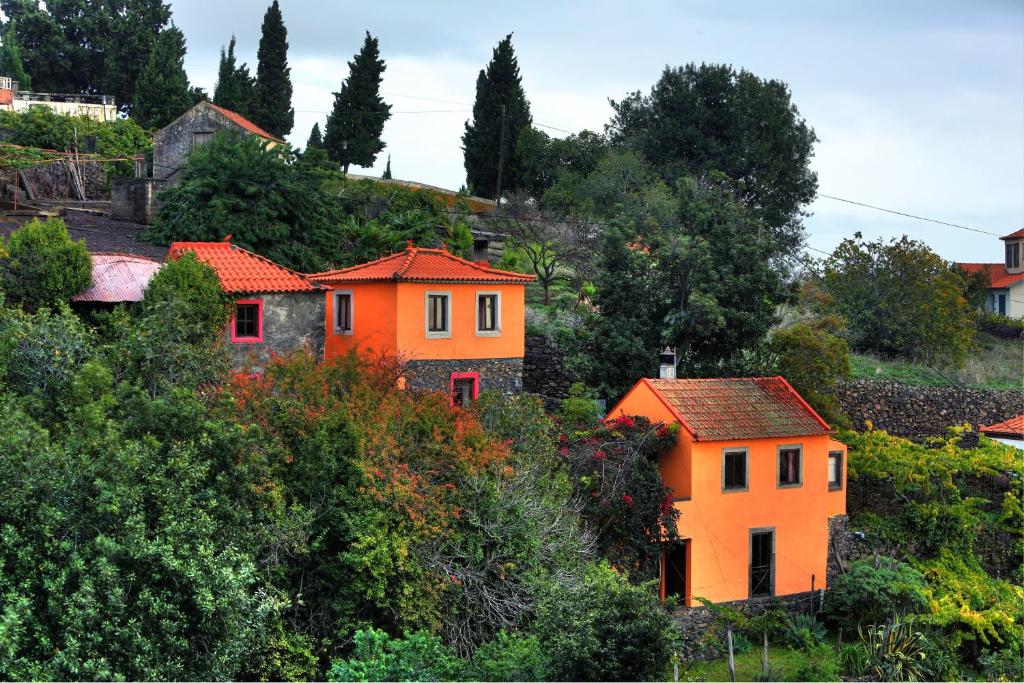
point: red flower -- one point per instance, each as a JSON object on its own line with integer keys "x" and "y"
{"x": 628, "y": 500}
{"x": 562, "y": 438}
{"x": 627, "y": 421}
{"x": 600, "y": 455}
{"x": 508, "y": 442}
{"x": 563, "y": 451}
{"x": 662, "y": 432}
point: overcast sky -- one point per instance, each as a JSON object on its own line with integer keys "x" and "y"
{"x": 919, "y": 105}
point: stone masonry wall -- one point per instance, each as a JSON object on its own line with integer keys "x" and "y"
{"x": 544, "y": 371}
{"x": 915, "y": 411}
{"x": 496, "y": 374}
{"x": 291, "y": 320}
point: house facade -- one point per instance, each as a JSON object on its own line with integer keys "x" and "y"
{"x": 276, "y": 310}
{"x": 756, "y": 478}
{"x": 1006, "y": 279}
{"x": 458, "y": 325}
{"x": 98, "y": 107}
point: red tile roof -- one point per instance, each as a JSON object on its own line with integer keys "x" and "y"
{"x": 1013, "y": 427}
{"x": 422, "y": 265}
{"x": 997, "y": 273}
{"x": 1013, "y": 235}
{"x": 245, "y": 123}
{"x": 118, "y": 278}
{"x": 242, "y": 271}
{"x": 738, "y": 408}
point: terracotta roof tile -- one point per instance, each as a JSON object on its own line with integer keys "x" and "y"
{"x": 1011, "y": 427}
{"x": 1013, "y": 235}
{"x": 242, "y": 271}
{"x": 245, "y": 123}
{"x": 118, "y": 278}
{"x": 422, "y": 265}
{"x": 997, "y": 273}
{"x": 739, "y": 408}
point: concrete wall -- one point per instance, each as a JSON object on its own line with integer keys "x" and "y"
{"x": 496, "y": 374}
{"x": 291, "y": 320}
{"x": 134, "y": 199}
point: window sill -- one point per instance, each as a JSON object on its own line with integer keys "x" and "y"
{"x": 485, "y": 333}
{"x": 438, "y": 335}
{"x": 790, "y": 486}
{"x": 342, "y": 333}
{"x": 745, "y": 489}
{"x": 247, "y": 340}
{"x": 833, "y": 487}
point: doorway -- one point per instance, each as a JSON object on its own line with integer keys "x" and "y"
{"x": 762, "y": 562}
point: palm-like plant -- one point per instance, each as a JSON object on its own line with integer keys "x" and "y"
{"x": 896, "y": 651}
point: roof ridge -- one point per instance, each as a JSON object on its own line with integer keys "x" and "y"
{"x": 266, "y": 260}
{"x": 410, "y": 256}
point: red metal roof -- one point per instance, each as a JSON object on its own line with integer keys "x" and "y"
{"x": 242, "y": 271}
{"x": 245, "y": 123}
{"x": 118, "y": 278}
{"x": 997, "y": 273}
{"x": 738, "y": 408}
{"x": 1013, "y": 427}
{"x": 422, "y": 265}
{"x": 1013, "y": 235}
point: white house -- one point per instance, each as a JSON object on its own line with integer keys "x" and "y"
{"x": 1006, "y": 279}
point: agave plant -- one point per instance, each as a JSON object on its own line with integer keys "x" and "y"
{"x": 895, "y": 651}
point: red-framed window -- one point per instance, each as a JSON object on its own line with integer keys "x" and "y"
{"x": 247, "y": 321}
{"x": 464, "y": 387}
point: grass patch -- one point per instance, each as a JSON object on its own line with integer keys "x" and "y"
{"x": 995, "y": 364}
{"x": 783, "y": 661}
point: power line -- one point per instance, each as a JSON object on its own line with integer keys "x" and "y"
{"x": 908, "y": 215}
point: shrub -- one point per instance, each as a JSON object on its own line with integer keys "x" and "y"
{"x": 853, "y": 660}
{"x": 820, "y": 664}
{"x": 43, "y": 266}
{"x": 873, "y": 591}
{"x": 193, "y": 290}
{"x": 580, "y": 409}
{"x": 509, "y": 657}
{"x": 804, "y": 631}
{"x": 895, "y": 651}
{"x": 417, "y": 656}
{"x": 814, "y": 359}
{"x": 1002, "y": 665}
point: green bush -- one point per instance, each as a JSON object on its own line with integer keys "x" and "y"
{"x": 40, "y": 265}
{"x": 509, "y": 657}
{"x": 896, "y": 652}
{"x": 418, "y": 656}
{"x": 804, "y": 631}
{"x": 820, "y": 665}
{"x": 193, "y": 289}
{"x": 813, "y": 358}
{"x": 873, "y": 591}
{"x": 580, "y": 409}
{"x": 1002, "y": 665}
{"x": 853, "y": 660}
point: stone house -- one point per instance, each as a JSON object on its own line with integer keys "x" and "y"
{"x": 1006, "y": 279}
{"x": 276, "y": 310}
{"x": 458, "y": 325}
{"x": 758, "y": 481}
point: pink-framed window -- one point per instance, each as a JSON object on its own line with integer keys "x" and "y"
{"x": 247, "y": 321}
{"x": 464, "y": 387}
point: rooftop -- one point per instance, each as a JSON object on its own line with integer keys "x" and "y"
{"x": 245, "y": 123}
{"x": 422, "y": 265}
{"x": 242, "y": 271}
{"x": 1011, "y": 428}
{"x": 118, "y": 278}
{"x": 738, "y": 408}
{"x": 1013, "y": 235}
{"x": 998, "y": 276}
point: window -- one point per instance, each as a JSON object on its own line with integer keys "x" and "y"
{"x": 200, "y": 138}
{"x": 789, "y": 466}
{"x": 762, "y": 562}
{"x": 835, "y": 470}
{"x": 438, "y": 314}
{"x": 1001, "y": 304}
{"x": 488, "y": 314}
{"x": 734, "y": 469}
{"x": 1013, "y": 255}
{"x": 247, "y": 323}
{"x": 465, "y": 387}
{"x": 343, "y": 312}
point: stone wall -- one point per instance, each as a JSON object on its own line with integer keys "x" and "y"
{"x": 496, "y": 374}
{"x": 544, "y": 371}
{"x": 915, "y": 411}
{"x": 134, "y": 199}
{"x": 291, "y": 320}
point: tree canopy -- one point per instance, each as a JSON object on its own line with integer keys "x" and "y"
{"x": 271, "y": 106}
{"x": 355, "y": 124}
{"x": 235, "y": 87}
{"x": 162, "y": 92}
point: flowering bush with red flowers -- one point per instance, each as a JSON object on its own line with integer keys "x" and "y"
{"x": 614, "y": 468}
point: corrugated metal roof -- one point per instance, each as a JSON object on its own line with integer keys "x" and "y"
{"x": 242, "y": 271}
{"x": 739, "y": 408}
{"x": 422, "y": 265}
{"x": 118, "y": 278}
{"x": 1011, "y": 427}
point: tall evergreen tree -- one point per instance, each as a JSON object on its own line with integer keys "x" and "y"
{"x": 234, "y": 89}
{"x": 272, "y": 99}
{"x": 132, "y": 28}
{"x": 387, "y": 170}
{"x": 10, "y": 58}
{"x": 315, "y": 139}
{"x": 45, "y": 52}
{"x": 162, "y": 93}
{"x": 498, "y": 85}
{"x": 357, "y": 120}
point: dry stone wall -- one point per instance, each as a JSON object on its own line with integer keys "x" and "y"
{"x": 544, "y": 371}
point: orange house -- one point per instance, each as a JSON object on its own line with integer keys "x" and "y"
{"x": 756, "y": 479}
{"x": 458, "y": 325}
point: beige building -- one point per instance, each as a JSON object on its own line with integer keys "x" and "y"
{"x": 98, "y": 107}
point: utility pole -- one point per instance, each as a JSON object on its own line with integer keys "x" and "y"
{"x": 501, "y": 157}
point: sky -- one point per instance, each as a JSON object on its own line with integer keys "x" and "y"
{"x": 918, "y": 106}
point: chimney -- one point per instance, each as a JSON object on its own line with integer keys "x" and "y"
{"x": 667, "y": 361}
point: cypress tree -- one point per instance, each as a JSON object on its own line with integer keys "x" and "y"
{"x": 315, "y": 139}
{"x": 10, "y": 58}
{"x": 387, "y": 170}
{"x": 234, "y": 89}
{"x": 498, "y": 84}
{"x": 272, "y": 100}
{"x": 357, "y": 120}
{"x": 162, "y": 93}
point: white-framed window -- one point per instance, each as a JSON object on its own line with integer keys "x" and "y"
{"x": 488, "y": 314}
{"x": 438, "y": 321}
{"x": 343, "y": 311}
{"x": 835, "y": 470}
{"x": 735, "y": 469}
{"x": 790, "y": 472}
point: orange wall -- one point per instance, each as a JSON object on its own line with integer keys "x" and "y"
{"x": 718, "y": 524}
{"x": 391, "y": 318}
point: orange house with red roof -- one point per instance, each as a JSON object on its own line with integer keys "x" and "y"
{"x": 1006, "y": 279}
{"x": 757, "y": 480}
{"x": 276, "y": 310}
{"x": 459, "y": 325}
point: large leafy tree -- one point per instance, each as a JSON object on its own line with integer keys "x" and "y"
{"x": 11, "y": 63}
{"x": 45, "y": 51}
{"x": 499, "y": 87}
{"x": 134, "y": 27}
{"x": 272, "y": 98}
{"x": 710, "y": 117}
{"x": 234, "y": 89}
{"x": 357, "y": 120}
{"x": 162, "y": 92}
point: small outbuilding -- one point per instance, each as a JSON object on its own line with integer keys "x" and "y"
{"x": 116, "y": 279}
